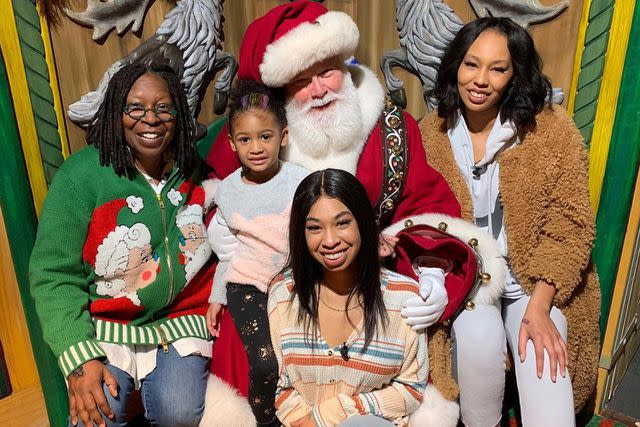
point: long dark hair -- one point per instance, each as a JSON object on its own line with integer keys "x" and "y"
{"x": 528, "y": 90}
{"x": 107, "y": 133}
{"x": 307, "y": 273}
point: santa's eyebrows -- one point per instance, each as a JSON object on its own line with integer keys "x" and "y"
{"x": 335, "y": 62}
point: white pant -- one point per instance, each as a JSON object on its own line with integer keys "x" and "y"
{"x": 480, "y": 339}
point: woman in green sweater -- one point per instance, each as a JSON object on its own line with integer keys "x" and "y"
{"x": 117, "y": 269}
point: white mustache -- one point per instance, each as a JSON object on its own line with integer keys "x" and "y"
{"x": 320, "y": 102}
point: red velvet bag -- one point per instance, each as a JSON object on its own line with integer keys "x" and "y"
{"x": 455, "y": 257}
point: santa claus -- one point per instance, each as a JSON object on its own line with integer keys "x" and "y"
{"x": 337, "y": 117}
{"x": 189, "y": 219}
{"x": 123, "y": 259}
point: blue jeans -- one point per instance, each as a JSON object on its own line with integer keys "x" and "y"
{"x": 172, "y": 394}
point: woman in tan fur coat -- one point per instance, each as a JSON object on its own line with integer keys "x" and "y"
{"x": 519, "y": 169}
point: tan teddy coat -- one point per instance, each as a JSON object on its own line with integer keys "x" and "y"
{"x": 550, "y": 228}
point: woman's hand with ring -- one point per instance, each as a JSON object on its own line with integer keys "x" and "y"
{"x": 86, "y": 396}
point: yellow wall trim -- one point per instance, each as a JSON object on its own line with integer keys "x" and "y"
{"x": 577, "y": 60}
{"x": 13, "y": 325}
{"x": 53, "y": 82}
{"x": 22, "y": 102}
{"x": 608, "y": 99}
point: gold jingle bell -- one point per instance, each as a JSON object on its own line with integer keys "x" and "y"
{"x": 389, "y": 104}
{"x": 396, "y": 150}
{"x": 442, "y": 226}
{"x": 388, "y": 204}
{"x": 408, "y": 223}
{"x": 485, "y": 277}
{"x": 394, "y": 122}
{"x": 470, "y": 305}
{"x": 473, "y": 242}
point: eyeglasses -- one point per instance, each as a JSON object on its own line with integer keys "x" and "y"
{"x": 164, "y": 112}
{"x": 145, "y": 259}
{"x": 183, "y": 240}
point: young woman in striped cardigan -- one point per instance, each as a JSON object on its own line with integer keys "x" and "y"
{"x": 345, "y": 355}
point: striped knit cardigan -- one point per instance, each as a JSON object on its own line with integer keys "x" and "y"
{"x": 387, "y": 380}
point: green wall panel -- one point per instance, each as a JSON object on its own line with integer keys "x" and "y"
{"x": 20, "y": 221}
{"x": 33, "y": 54}
{"x": 620, "y": 173}
{"x": 592, "y": 66}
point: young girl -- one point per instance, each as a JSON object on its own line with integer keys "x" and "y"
{"x": 345, "y": 353}
{"x": 254, "y": 202}
{"x": 519, "y": 168}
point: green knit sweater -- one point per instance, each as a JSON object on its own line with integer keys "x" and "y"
{"x": 115, "y": 262}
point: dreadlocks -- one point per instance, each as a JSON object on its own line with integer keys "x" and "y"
{"x": 107, "y": 133}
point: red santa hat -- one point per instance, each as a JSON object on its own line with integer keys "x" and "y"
{"x": 193, "y": 192}
{"x": 292, "y": 37}
{"x": 103, "y": 221}
{"x": 192, "y": 211}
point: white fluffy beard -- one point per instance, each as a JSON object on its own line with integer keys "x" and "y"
{"x": 336, "y": 129}
{"x": 195, "y": 261}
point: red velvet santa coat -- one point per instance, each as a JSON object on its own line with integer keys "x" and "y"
{"x": 426, "y": 199}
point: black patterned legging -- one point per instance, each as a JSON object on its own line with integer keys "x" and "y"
{"x": 248, "y": 308}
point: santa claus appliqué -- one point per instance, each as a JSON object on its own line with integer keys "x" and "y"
{"x": 189, "y": 219}
{"x": 121, "y": 255}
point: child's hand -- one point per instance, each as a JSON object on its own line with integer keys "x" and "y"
{"x": 214, "y": 315}
{"x": 386, "y": 245}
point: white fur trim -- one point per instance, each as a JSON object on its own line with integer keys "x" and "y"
{"x": 191, "y": 214}
{"x": 210, "y": 187}
{"x": 223, "y": 407}
{"x": 435, "y": 411}
{"x": 333, "y": 33}
{"x": 370, "y": 95}
{"x": 488, "y": 248}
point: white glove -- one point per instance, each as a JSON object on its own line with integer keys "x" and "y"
{"x": 222, "y": 240}
{"x": 423, "y": 311}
